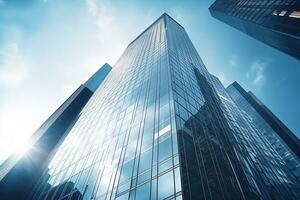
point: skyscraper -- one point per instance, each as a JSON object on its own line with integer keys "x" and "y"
{"x": 281, "y": 138}
{"x": 162, "y": 127}
{"x": 276, "y": 23}
{"x": 21, "y": 171}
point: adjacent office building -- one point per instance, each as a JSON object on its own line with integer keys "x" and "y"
{"x": 280, "y": 137}
{"x": 161, "y": 126}
{"x": 276, "y": 23}
{"x": 20, "y": 172}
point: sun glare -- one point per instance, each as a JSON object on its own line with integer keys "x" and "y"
{"x": 14, "y": 139}
{"x": 23, "y": 148}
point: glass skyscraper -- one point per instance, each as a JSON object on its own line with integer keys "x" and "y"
{"x": 21, "y": 171}
{"x": 160, "y": 126}
{"x": 280, "y": 137}
{"x": 276, "y": 23}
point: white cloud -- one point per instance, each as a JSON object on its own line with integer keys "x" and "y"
{"x": 92, "y": 6}
{"x": 101, "y": 13}
{"x": 257, "y": 72}
{"x": 13, "y": 68}
{"x": 49, "y": 62}
{"x": 233, "y": 61}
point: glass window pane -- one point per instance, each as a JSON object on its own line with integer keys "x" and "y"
{"x": 165, "y": 185}
{"x": 165, "y": 149}
{"x": 164, "y": 113}
{"x": 153, "y": 189}
{"x": 147, "y": 140}
{"x": 124, "y": 187}
{"x": 166, "y": 165}
{"x": 183, "y": 113}
{"x": 123, "y": 197}
{"x": 143, "y": 192}
{"x": 163, "y": 132}
{"x": 177, "y": 180}
{"x": 143, "y": 177}
{"x": 145, "y": 160}
{"x": 81, "y": 181}
{"x": 130, "y": 150}
{"x": 126, "y": 170}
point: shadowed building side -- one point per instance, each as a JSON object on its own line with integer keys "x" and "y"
{"x": 275, "y": 23}
{"x": 282, "y": 139}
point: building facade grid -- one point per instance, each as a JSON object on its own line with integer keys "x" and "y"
{"x": 158, "y": 128}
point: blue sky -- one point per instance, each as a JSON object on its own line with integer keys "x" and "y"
{"x": 49, "y": 47}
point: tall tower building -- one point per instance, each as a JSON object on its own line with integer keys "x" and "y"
{"x": 21, "y": 171}
{"x": 161, "y": 127}
{"x": 276, "y": 23}
{"x": 281, "y": 137}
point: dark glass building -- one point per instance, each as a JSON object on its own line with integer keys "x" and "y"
{"x": 20, "y": 172}
{"x": 279, "y": 136}
{"x": 276, "y": 23}
{"x": 162, "y": 127}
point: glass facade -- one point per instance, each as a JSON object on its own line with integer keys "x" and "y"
{"x": 245, "y": 101}
{"x": 161, "y": 127}
{"x": 276, "y": 23}
{"x": 20, "y": 172}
